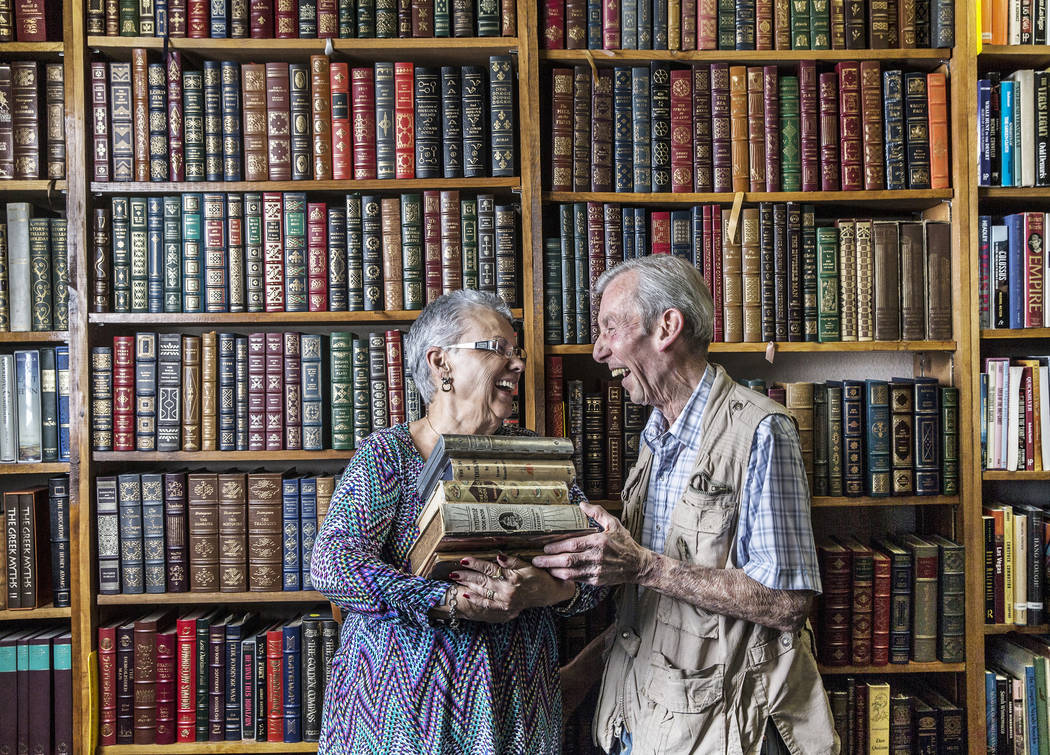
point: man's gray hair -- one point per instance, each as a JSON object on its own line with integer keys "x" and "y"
{"x": 442, "y": 323}
{"x": 665, "y": 282}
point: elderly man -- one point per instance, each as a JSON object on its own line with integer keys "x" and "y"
{"x": 708, "y": 653}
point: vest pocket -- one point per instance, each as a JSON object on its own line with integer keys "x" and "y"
{"x": 685, "y": 714}
{"x": 687, "y": 618}
{"x": 709, "y": 513}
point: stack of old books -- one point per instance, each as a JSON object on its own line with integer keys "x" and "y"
{"x": 487, "y": 494}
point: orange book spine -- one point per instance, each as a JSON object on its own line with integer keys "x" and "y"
{"x": 937, "y": 98}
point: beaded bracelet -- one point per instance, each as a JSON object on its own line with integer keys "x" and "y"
{"x": 566, "y": 609}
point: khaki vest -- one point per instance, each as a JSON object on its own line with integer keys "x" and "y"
{"x": 681, "y": 679}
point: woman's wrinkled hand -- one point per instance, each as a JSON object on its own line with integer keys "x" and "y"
{"x": 498, "y": 592}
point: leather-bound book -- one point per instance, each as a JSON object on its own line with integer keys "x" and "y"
{"x": 595, "y": 258}
{"x": 256, "y": 392}
{"x": 176, "y": 562}
{"x": 372, "y": 252}
{"x": 192, "y": 253}
{"x": 553, "y": 22}
{"x": 798, "y": 398}
{"x": 836, "y": 573}
{"x": 203, "y": 513}
{"x": 232, "y": 532}
{"x": 865, "y": 280}
{"x": 362, "y": 405}
{"x": 191, "y": 393}
{"x": 820, "y": 25}
{"x": 938, "y": 276}
{"x": 912, "y": 275}
{"x": 660, "y": 127}
{"x": 299, "y": 123}
{"x": 256, "y": 149}
{"x": 829, "y": 133}
{"x": 145, "y": 672}
{"x": 278, "y": 131}
{"x": 432, "y": 245}
{"x": 756, "y": 133}
{"x": 738, "y": 128}
{"x": 294, "y": 255}
{"x": 140, "y": 113}
{"x": 273, "y": 252}
{"x": 872, "y": 128}
{"x": 937, "y": 93}
{"x": 165, "y": 686}
{"x": 790, "y": 275}
{"x": 702, "y": 127}
{"x": 384, "y": 119}
{"x": 502, "y": 82}
{"x": 342, "y": 141}
{"x": 393, "y": 270}
{"x": 216, "y": 251}
{"x": 810, "y": 127}
{"x": 925, "y": 559}
{"x": 782, "y": 24}
{"x": 853, "y": 440}
{"x": 451, "y": 122}
{"x": 427, "y": 137}
{"x": 293, "y": 394}
{"x": 751, "y": 267}
{"x": 887, "y": 281}
{"x": 850, "y": 126}
{"x": 174, "y": 119}
{"x": 877, "y": 443}
{"x": 623, "y": 142}
{"x": 581, "y": 129}
{"x": 893, "y": 129}
{"x": 422, "y": 19}
{"x": 764, "y": 25}
{"x": 321, "y": 117}
{"x": 800, "y": 24}
{"x": 562, "y": 129}
{"x": 641, "y": 126}
{"x": 123, "y": 393}
{"x": 101, "y": 261}
{"x": 883, "y": 30}
{"x": 377, "y": 381}
{"x": 20, "y": 141}
{"x": 790, "y": 174}
{"x": 917, "y": 134}
{"x": 856, "y": 28}
{"x": 475, "y": 121}
{"x": 395, "y": 376}
{"x": 731, "y": 284}
{"x": 145, "y": 391}
{"x": 773, "y": 220}
{"x": 54, "y": 97}
{"x": 902, "y": 429}
{"x": 317, "y": 256}
{"x": 274, "y": 401}
{"x": 847, "y": 279}
{"x": 771, "y": 128}
{"x": 404, "y": 123}
{"x": 193, "y": 117}
{"x": 906, "y": 23}
{"x": 209, "y": 390}
{"x": 451, "y": 250}
{"x": 601, "y": 133}
{"x": 100, "y": 120}
{"x": 707, "y": 24}
{"x": 927, "y": 438}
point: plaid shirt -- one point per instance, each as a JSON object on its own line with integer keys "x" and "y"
{"x": 774, "y": 539}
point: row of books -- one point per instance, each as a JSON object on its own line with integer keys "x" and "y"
{"x": 1012, "y": 122}
{"x": 304, "y": 19}
{"x": 36, "y": 673}
{"x": 1015, "y": 414}
{"x": 32, "y": 143}
{"x": 34, "y": 549}
{"x": 899, "y": 600}
{"x": 296, "y": 121}
{"x": 34, "y": 405}
{"x": 1015, "y": 690}
{"x": 213, "y": 674}
{"x": 255, "y": 392}
{"x": 1014, "y": 22}
{"x": 874, "y": 716}
{"x": 34, "y": 271}
{"x": 746, "y": 25}
{"x": 1015, "y": 538}
{"x": 275, "y": 252}
{"x": 777, "y": 276}
{"x": 724, "y": 128}
{"x": 1013, "y": 268}
{"x": 207, "y": 532}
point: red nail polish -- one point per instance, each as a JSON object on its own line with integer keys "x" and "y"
{"x": 454, "y": 575}
{"x": 464, "y": 562}
{"x": 467, "y": 595}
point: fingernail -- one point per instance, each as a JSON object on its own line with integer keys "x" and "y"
{"x": 501, "y": 558}
{"x": 467, "y": 596}
{"x": 454, "y": 575}
{"x": 464, "y": 562}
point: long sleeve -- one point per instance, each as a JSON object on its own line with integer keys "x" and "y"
{"x": 348, "y": 566}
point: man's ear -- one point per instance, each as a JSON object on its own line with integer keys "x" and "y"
{"x": 669, "y": 327}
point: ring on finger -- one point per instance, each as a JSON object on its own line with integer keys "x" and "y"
{"x": 499, "y": 574}
{"x": 491, "y": 594}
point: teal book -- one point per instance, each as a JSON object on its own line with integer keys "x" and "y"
{"x": 828, "y": 327}
{"x": 790, "y": 135}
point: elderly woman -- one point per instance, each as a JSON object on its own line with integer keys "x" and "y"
{"x": 427, "y": 666}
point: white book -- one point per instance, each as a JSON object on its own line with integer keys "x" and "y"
{"x": 1020, "y": 568}
{"x": 27, "y": 396}
{"x": 18, "y": 287}
{"x": 1013, "y": 426}
{"x": 8, "y": 418}
{"x": 1014, "y": 26}
{"x": 1024, "y": 126}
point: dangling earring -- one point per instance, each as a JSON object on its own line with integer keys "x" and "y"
{"x": 446, "y": 383}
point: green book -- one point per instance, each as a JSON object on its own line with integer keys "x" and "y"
{"x": 468, "y": 212}
{"x": 39, "y": 274}
{"x": 800, "y": 11}
{"x": 48, "y": 405}
{"x": 810, "y": 285}
{"x": 412, "y": 250}
{"x": 790, "y": 135}
{"x": 726, "y": 25}
{"x": 172, "y": 254}
{"x": 819, "y": 25}
{"x": 139, "y": 255}
{"x": 442, "y": 19}
{"x": 342, "y": 406}
{"x": 295, "y": 251}
{"x": 121, "y": 222}
{"x": 828, "y": 284}
{"x": 128, "y": 18}
{"x": 59, "y": 275}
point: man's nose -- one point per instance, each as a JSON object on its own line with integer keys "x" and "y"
{"x": 600, "y": 352}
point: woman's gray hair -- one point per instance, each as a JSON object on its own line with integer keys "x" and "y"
{"x": 442, "y": 323}
{"x": 666, "y": 282}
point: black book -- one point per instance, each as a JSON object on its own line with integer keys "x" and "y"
{"x": 451, "y": 122}
{"x": 428, "y": 122}
{"x": 474, "y": 98}
{"x": 58, "y": 490}
{"x": 660, "y": 125}
{"x": 501, "y": 115}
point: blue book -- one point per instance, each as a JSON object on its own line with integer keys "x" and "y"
{"x": 645, "y": 25}
{"x": 623, "y": 131}
{"x": 641, "y": 95}
{"x": 219, "y": 28}
{"x": 290, "y": 533}
{"x": 659, "y": 25}
{"x": 893, "y": 134}
{"x": 641, "y": 232}
{"x": 212, "y": 92}
{"x": 312, "y": 382}
{"x": 984, "y": 120}
{"x": 991, "y": 711}
{"x": 1006, "y": 109}
{"x": 291, "y": 666}
{"x": 160, "y": 15}
{"x": 230, "y": 103}
{"x": 129, "y": 503}
{"x": 594, "y": 24}
{"x": 877, "y": 405}
{"x": 627, "y": 227}
{"x": 237, "y": 628}
{"x": 1015, "y": 268}
{"x": 629, "y": 23}
{"x": 153, "y": 532}
{"x": 307, "y": 526}
{"x": 681, "y": 242}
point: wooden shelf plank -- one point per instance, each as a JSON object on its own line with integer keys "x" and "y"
{"x": 585, "y": 349}
{"x": 900, "y": 501}
{"x": 35, "y": 188}
{"x": 46, "y": 612}
{"x": 1014, "y": 192}
{"x": 991, "y": 56}
{"x": 990, "y": 629}
{"x": 910, "y": 199}
{"x": 1003, "y": 474}
{"x": 207, "y": 747}
{"x": 390, "y": 316}
{"x": 620, "y": 57}
{"x": 392, "y": 185}
{"x": 34, "y": 336}
{"x": 179, "y": 598}
{"x": 221, "y": 456}
{"x": 29, "y": 48}
{"x": 896, "y": 668}
{"x": 1015, "y": 333}
{"x": 47, "y": 467}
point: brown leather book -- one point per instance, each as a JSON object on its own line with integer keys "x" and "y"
{"x": 756, "y": 129}
{"x": 887, "y": 281}
{"x": 581, "y": 128}
{"x": 202, "y": 497}
{"x": 176, "y": 524}
{"x": 829, "y": 133}
{"x": 882, "y": 24}
{"x": 688, "y": 25}
{"x": 871, "y": 117}
{"x": 140, "y": 112}
{"x": 939, "y": 280}
{"x": 836, "y": 575}
{"x": 451, "y": 245}
{"x": 256, "y": 150}
{"x": 145, "y": 673}
{"x": 191, "y": 393}
{"x": 561, "y": 129}
{"x": 751, "y": 274}
{"x": 99, "y": 121}
{"x": 782, "y": 24}
{"x": 906, "y": 23}
{"x": 937, "y": 98}
{"x": 575, "y": 24}
{"x": 865, "y": 280}
{"x": 293, "y": 396}
{"x": 798, "y": 398}
{"x": 809, "y": 126}
{"x": 602, "y": 131}
{"x": 278, "y": 120}
{"x": 838, "y": 24}
{"x": 913, "y": 274}
{"x": 55, "y": 101}
{"x": 702, "y": 127}
{"x": 847, "y": 279}
{"x": 764, "y": 25}
{"x": 850, "y": 148}
{"x": 738, "y": 127}
{"x": 274, "y": 392}
{"x": 508, "y": 18}
{"x": 432, "y": 244}
{"x": 209, "y": 391}
{"x": 771, "y": 104}
{"x": 393, "y": 270}
{"x": 25, "y": 118}
{"x": 321, "y": 109}
{"x": 264, "y": 531}
{"x": 861, "y": 618}
{"x": 233, "y": 529}
{"x": 34, "y": 548}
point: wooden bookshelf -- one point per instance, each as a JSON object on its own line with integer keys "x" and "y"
{"x": 801, "y": 347}
{"x": 32, "y": 49}
{"x": 262, "y": 319}
{"x": 35, "y": 614}
{"x": 34, "y": 336}
{"x": 342, "y": 187}
{"x": 47, "y": 467}
{"x": 895, "y": 668}
{"x": 1021, "y": 474}
{"x": 896, "y": 501}
{"x": 1015, "y": 334}
{"x": 191, "y": 598}
{"x": 32, "y": 188}
{"x": 990, "y": 629}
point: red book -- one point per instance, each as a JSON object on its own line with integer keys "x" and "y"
{"x": 257, "y": 392}
{"x": 555, "y": 397}
{"x": 836, "y": 571}
{"x": 707, "y": 24}
{"x": 716, "y": 273}
{"x": 809, "y": 126}
{"x": 432, "y": 244}
{"x": 273, "y": 251}
{"x": 145, "y": 674}
{"x": 611, "y": 24}
{"x": 123, "y": 393}
{"x": 166, "y": 698}
{"x": 317, "y": 256}
{"x": 763, "y": 24}
{"x": 176, "y": 166}
{"x": 880, "y": 635}
{"x": 341, "y": 141}
{"x": 850, "y": 126}
{"x": 554, "y": 24}
{"x": 561, "y": 129}
{"x": 107, "y": 684}
{"x": 197, "y": 19}
{"x": 176, "y": 18}
{"x": 829, "y": 133}
{"x": 327, "y": 19}
{"x": 274, "y": 687}
{"x": 771, "y": 99}
{"x": 871, "y": 117}
{"x": 262, "y": 19}
{"x": 186, "y": 666}
{"x": 100, "y": 123}
{"x": 937, "y": 107}
{"x": 274, "y": 391}
{"x": 681, "y": 130}
{"x": 395, "y": 377}
{"x": 863, "y": 586}
{"x": 660, "y": 232}
{"x": 595, "y": 256}
{"x": 286, "y": 19}
{"x": 404, "y": 121}
{"x": 363, "y": 98}
{"x": 30, "y": 22}
{"x": 278, "y": 122}
{"x": 1034, "y": 258}
{"x": 321, "y": 120}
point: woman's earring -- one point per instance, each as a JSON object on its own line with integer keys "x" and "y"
{"x": 446, "y": 383}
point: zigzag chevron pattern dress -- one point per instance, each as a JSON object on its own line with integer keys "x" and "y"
{"x": 400, "y": 684}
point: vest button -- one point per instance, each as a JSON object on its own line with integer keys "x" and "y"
{"x": 736, "y": 406}
{"x": 625, "y": 635}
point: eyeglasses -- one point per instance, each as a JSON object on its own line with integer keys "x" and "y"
{"x": 495, "y": 345}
